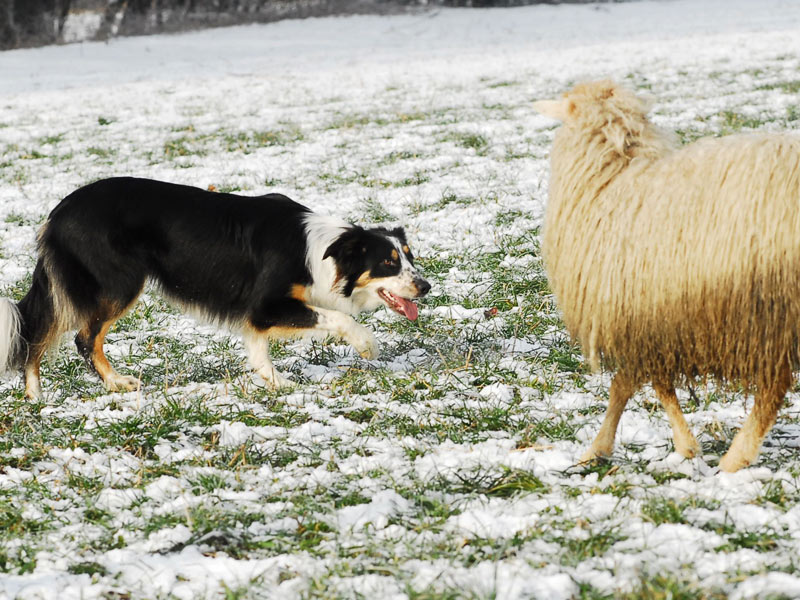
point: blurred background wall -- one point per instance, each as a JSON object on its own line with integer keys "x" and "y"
{"x": 39, "y": 22}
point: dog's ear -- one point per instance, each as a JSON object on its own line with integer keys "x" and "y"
{"x": 347, "y": 246}
{"x": 348, "y": 252}
{"x": 561, "y": 110}
{"x": 399, "y": 233}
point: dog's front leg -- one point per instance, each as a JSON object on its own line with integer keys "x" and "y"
{"x": 298, "y": 320}
{"x": 343, "y": 326}
{"x": 255, "y": 345}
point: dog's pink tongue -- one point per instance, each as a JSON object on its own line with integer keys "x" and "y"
{"x": 409, "y": 308}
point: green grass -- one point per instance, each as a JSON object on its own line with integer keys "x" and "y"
{"x": 100, "y": 152}
{"x": 373, "y": 211}
{"x": 398, "y": 156}
{"x": 578, "y": 549}
{"x": 733, "y": 122}
{"x": 472, "y": 141}
{"x": 670, "y": 587}
{"x": 663, "y": 510}
{"x": 247, "y": 142}
{"x": 787, "y": 87}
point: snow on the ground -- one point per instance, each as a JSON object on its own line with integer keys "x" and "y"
{"x": 384, "y": 46}
{"x": 383, "y": 479}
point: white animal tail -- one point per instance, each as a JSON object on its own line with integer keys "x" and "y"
{"x": 9, "y": 333}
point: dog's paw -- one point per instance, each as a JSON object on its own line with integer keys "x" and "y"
{"x": 33, "y": 390}
{"x": 370, "y": 353}
{"x": 281, "y": 383}
{"x": 275, "y": 381}
{"x": 363, "y": 340}
{"x": 119, "y": 383}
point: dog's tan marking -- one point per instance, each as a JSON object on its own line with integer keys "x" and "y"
{"x": 299, "y": 292}
{"x": 284, "y": 333}
{"x": 395, "y": 255}
{"x": 97, "y": 356}
{"x": 406, "y": 249}
{"x": 107, "y": 313}
{"x": 363, "y": 280}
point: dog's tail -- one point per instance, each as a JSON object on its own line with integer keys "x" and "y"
{"x": 12, "y": 345}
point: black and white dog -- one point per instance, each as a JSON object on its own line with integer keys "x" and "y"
{"x": 266, "y": 266}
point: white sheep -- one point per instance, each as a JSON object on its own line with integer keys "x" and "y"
{"x": 671, "y": 263}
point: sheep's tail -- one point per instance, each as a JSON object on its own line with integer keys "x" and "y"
{"x": 12, "y": 344}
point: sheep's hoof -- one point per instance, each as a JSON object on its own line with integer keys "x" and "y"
{"x": 592, "y": 455}
{"x": 730, "y": 463}
{"x": 688, "y": 449}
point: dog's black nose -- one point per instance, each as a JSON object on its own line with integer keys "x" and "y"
{"x": 423, "y": 287}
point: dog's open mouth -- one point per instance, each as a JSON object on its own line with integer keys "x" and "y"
{"x": 401, "y": 306}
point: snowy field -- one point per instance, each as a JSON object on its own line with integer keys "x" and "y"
{"x": 446, "y": 467}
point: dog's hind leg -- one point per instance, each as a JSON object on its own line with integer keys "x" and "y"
{"x": 47, "y": 335}
{"x": 747, "y": 443}
{"x": 622, "y": 388}
{"x": 685, "y": 443}
{"x": 33, "y": 386}
{"x": 41, "y": 325}
{"x": 42, "y": 336}
{"x": 90, "y": 339}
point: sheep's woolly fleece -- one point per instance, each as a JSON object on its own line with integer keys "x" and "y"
{"x": 445, "y": 467}
{"x": 671, "y": 261}
{"x": 643, "y": 249}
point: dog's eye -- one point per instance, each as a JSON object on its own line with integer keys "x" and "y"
{"x": 389, "y": 262}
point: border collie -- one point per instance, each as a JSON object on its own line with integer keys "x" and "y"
{"x": 266, "y": 266}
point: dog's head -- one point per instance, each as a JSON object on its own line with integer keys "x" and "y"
{"x": 376, "y": 266}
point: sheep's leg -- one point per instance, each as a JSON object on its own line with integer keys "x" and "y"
{"x": 747, "y": 443}
{"x": 685, "y": 442}
{"x": 622, "y": 388}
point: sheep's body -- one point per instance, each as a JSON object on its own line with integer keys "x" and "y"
{"x": 684, "y": 265}
{"x": 670, "y": 263}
